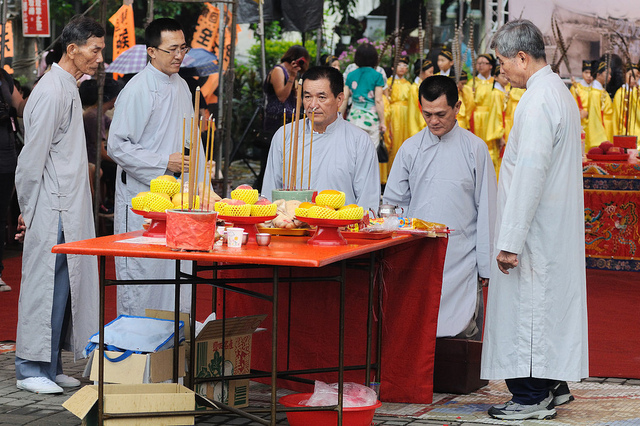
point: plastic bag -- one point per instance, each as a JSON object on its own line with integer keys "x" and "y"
{"x": 355, "y": 395}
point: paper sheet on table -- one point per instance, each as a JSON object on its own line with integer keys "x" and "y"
{"x": 145, "y": 240}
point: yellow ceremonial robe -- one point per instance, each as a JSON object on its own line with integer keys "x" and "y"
{"x": 466, "y": 107}
{"x": 482, "y": 99}
{"x": 600, "y": 125}
{"x": 396, "y": 111}
{"x": 495, "y": 125}
{"x": 581, "y": 95}
{"x": 626, "y": 112}
{"x": 513, "y": 97}
{"x": 415, "y": 121}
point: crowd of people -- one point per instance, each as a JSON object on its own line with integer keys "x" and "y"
{"x": 446, "y": 136}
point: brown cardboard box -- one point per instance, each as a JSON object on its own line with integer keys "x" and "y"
{"x": 140, "y": 398}
{"x": 209, "y": 363}
{"x": 457, "y": 366}
{"x": 138, "y": 368}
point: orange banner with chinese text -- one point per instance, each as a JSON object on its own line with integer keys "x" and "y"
{"x": 124, "y": 35}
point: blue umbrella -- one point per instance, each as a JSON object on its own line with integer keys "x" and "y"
{"x": 202, "y": 61}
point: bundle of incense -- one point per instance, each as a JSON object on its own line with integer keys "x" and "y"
{"x": 189, "y": 193}
{"x": 208, "y": 160}
{"x": 286, "y": 182}
{"x": 304, "y": 127}
{"x": 195, "y": 136}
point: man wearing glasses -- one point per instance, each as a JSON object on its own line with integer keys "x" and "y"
{"x": 145, "y": 141}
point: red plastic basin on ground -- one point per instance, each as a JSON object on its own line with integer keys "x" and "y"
{"x": 352, "y": 416}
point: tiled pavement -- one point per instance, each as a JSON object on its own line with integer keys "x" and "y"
{"x": 611, "y": 402}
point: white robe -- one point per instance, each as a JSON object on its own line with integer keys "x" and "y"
{"x": 146, "y": 128}
{"x": 450, "y": 180}
{"x": 536, "y": 319}
{"x": 52, "y": 182}
{"x": 342, "y": 158}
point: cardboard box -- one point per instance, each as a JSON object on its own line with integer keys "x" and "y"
{"x": 155, "y": 367}
{"x": 457, "y": 366}
{"x": 209, "y": 363}
{"x": 140, "y": 398}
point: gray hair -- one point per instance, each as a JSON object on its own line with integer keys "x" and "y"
{"x": 519, "y": 35}
{"x": 79, "y": 30}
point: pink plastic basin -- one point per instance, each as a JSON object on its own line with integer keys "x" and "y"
{"x": 352, "y": 416}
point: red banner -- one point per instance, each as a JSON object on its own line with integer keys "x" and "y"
{"x": 35, "y": 18}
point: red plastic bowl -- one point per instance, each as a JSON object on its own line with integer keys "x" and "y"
{"x": 352, "y": 416}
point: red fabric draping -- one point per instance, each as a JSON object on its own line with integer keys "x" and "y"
{"x": 411, "y": 298}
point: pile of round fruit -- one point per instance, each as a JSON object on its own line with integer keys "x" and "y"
{"x": 330, "y": 205}
{"x": 245, "y": 201}
{"x": 606, "y": 148}
{"x": 165, "y": 194}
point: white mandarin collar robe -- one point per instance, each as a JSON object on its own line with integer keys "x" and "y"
{"x": 450, "y": 180}
{"x": 147, "y": 127}
{"x": 536, "y": 321}
{"x": 342, "y": 158}
{"x": 52, "y": 182}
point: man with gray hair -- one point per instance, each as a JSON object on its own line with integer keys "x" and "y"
{"x": 536, "y": 322}
{"x": 58, "y": 294}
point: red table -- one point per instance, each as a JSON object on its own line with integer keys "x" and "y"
{"x": 411, "y": 295}
{"x": 611, "y": 208}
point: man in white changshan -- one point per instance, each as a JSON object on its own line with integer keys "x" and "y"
{"x": 536, "y": 324}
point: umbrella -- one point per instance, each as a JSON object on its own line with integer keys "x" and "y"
{"x": 202, "y": 61}
{"x": 132, "y": 60}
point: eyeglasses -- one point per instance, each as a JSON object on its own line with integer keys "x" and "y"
{"x": 173, "y": 52}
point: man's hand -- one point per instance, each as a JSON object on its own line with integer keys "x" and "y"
{"x": 175, "y": 162}
{"x": 584, "y": 114}
{"x": 506, "y": 261}
{"x": 21, "y": 229}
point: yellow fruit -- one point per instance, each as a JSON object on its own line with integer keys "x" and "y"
{"x": 249, "y": 196}
{"x": 331, "y": 198}
{"x": 236, "y": 210}
{"x": 306, "y": 205}
{"x": 219, "y": 206}
{"x": 301, "y": 212}
{"x": 322, "y": 212}
{"x": 351, "y": 213}
{"x": 163, "y": 184}
{"x": 137, "y": 202}
{"x": 156, "y": 202}
{"x": 180, "y": 204}
{"x": 263, "y": 209}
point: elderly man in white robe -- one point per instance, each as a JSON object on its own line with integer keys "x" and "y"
{"x": 444, "y": 174}
{"x": 536, "y": 324}
{"x": 58, "y": 306}
{"x": 342, "y": 156}
{"x": 145, "y": 142}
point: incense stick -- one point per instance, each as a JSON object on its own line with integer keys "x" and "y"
{"x": 207, "y": 167}
{"x": 189, "y": 188}
{"x": 198, "y": 143}
{"x": 313, "y": 114}
{"x": 304, "y": 127}
{"x": 297, "y": 121}
{"x": 287, "y": 184}
{"x": 213, "y": 138}
{"x": 284, "y": 144}
{"x": 184, "y": 125}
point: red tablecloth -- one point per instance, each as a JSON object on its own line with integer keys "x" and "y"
{"x": 612, "y": 205}
{"x": 412, "y": 284}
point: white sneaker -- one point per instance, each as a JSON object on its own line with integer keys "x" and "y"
{"x": 38, "y": 385}
{"x": 65, "y": 381}
{"x": 4, "y": 286}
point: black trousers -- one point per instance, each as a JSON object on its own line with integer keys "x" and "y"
{"x": 7, "y": 183}
{"x": 529, "y": 390}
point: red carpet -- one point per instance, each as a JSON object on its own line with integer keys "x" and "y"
{"x": 613, "y": 302}
{"x": 9, "y": 299}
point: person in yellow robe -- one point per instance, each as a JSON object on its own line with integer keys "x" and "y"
{"x": 513, "y": 97}
{"x": 424, "y": 69}
{"x": 600, "y": 124}
{"x": 496, "y": 121}
{"x": 467, "y": 104}
{"x": 396, "y": 111}
{"x": 445, "y": 63}
{"x": 626, "y": 106}
{"x": 580, "y": 90}
{"x": 481, "y": 86}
